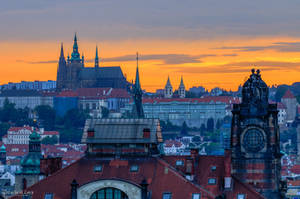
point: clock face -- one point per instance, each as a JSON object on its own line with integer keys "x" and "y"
{"x": 253, "y": 140}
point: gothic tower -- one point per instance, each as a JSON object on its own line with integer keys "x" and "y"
{"x": 61, "y": 70}
{"x": 168, "y": 92}
{"x": 255, "y": 139}
{"x": 181, "y": 89}
{"x": 138, "y": 111}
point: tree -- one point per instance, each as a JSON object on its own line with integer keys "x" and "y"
{"x": 50, "y": 140}
{"x": 184, "y": 129}
{"x": 105, "y": 112}
{"x": 280, "y": 92}
{"x": 75, "y": 118}
{"x": 219, "y": 124}
{"x": 46, "y": 116}
{"x": 210, "y": 125}
{"x": 202, "y": 128}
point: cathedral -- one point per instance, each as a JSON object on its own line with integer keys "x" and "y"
{"x": 72, "y": 73}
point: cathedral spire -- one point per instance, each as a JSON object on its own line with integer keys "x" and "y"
{"x": 96, "y": 58}
{"x": 75, "y": 56}
{"x": 62, "y": 52}
{"x": 181, "y": 89}
{"x": 138, "y": 111}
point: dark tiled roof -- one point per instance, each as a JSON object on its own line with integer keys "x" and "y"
{"x": 124, "y": 130}
{"x": 101, "y": 72}
{"x": 288, "y": 94}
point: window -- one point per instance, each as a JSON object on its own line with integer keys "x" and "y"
{"x": 48, "y": 196}
{"x": 98, "y": 168}
{"x": 109, "y": 193}
{"x": 196, "y": 196}
{"x": 179, "y": 163}
{"x": 213, "y": 168}
{"x": 241, "y": 196}
{"x": 167, "y": 195}
{"x": 134, "y": 168}
{"x": 212, "y": 181}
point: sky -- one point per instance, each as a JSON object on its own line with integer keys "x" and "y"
{"x": 211, "y": 43}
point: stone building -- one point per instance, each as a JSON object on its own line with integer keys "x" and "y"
{"x": 72, "y": 73}
{"x": 255, "y": 140}
{"x": 290, "y": 102}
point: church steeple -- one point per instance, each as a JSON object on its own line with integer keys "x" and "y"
{"x": 62, "y": 56}
{"x": 75, "y": 56}
{"x": 168, "y": 92}
{"x": 181, "y": 89}
{"x": 138, "y": 110}
{"x": 96, "y": 58}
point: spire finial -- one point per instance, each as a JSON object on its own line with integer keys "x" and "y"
{"x": 75, "y": 56}
{"x": 96, "y": 58}
{"x": 62, "y": 50}
{"x": 137, "y": 93}
{"x": 137, "y": 75}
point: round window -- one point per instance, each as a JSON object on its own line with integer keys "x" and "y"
{"x": 253, "y": 140}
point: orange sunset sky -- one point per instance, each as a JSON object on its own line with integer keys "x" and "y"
{"x": 208, "y": 44}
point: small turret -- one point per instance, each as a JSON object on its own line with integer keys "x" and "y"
{"x": 181, "y": 89}
{"x": 168, "y": 92}
{"x": 3, "y": 155}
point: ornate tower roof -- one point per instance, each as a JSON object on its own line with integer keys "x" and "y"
{"x": 75, "y": 56}
{"x": 168, "y": 84}
{"x": 181, "y": 83}
{"x": 138, "y": 110}
{"x": 2, "y": 149}
{"x": 96, "y": 58}
{"x": 255, "y": 94}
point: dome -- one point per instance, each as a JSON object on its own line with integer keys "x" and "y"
{"x": 34, "y": 136}
{"x": 3, "y": 148}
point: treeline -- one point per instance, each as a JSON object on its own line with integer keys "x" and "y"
{"x": 70, "y": 126}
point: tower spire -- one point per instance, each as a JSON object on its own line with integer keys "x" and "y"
{"x": 138, "y": 111}
{"x": 62, "y": 51}
{"x": 96, "y": 58}
{"x": 75, "y": 56}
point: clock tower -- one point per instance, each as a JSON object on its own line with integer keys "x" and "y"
{"x": 255, "y": 139}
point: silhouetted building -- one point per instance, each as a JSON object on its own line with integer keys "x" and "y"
{"x": 255, "y": 139}
{"x": 72, "y": 74}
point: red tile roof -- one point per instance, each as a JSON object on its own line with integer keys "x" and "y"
{"x": 170, "y": 143}
{"x": 51, "y": 133}
{"x": 288, "y": 94}
{"x": 96, "y": 93}
{"x": 206, "y": 99}
{"x": 20, "y": 128}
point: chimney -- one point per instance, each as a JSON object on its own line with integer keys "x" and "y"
{"x": 227, "y": 168}
{"x": 74, "y": 186}
{"x": 189, "y": 169}
{"x": 144, "y": 186}
{"x": 90, "y": 133}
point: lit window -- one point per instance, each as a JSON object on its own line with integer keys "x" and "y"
{"x": 196, "y": 196}
{"x": 134, "y": 168}
{"x": 212, "y": 181}
{"x": 167, "y": 195}
{"x": 213, "y": 168}
{"x": 179, "y": 163}
{"x": 48, "y": 196}
{"x": 98, "y": 168}
{"x": 241, "y": 196}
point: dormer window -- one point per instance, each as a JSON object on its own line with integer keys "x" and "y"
{"x": 213, "y": 168}
{"x": 212, "y": 181}
{"x": 48, "y": 196}
{"x": 196, "y": 196}
{"x": 134, "y": 168}
{"x": 241, "y": 196}
{"x": 146, "y": 133}
{"x": 98, "y": 168}
{"x": 179, "y": 162}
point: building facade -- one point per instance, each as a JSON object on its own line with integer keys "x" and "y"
{"x": 255, "y": 139}
{"x": 72, "y": 73}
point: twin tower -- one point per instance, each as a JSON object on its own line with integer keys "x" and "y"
{"x": 168, "y": 91}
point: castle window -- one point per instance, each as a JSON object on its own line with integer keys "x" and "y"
{"x": 48, "y": 196}
{"x": 179, "y": 163}
{"x": 212, "y": 181}
{"x": 196, "y": 196}
{"x": 213, "y": 168}
{"x": 134, "y": 168}
{"x": 98, "y": 168}
{"x": 241, "y": 196}
{"x": 167, "y": 195}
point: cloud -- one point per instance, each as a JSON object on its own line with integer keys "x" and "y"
{"x": 168, "y": 59}
{"x": 277, "y": 46}
{"x": 240, "y": 67}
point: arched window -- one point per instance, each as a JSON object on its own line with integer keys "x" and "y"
{"x": 24, "y": 184}
{"x": 109, "y": 193}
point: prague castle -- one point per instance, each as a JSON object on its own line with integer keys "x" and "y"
{"x": 72, "y": 73}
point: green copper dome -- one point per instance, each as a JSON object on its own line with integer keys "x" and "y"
{"x": 34, "y": 136}
{"x": 3, "y": 149}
